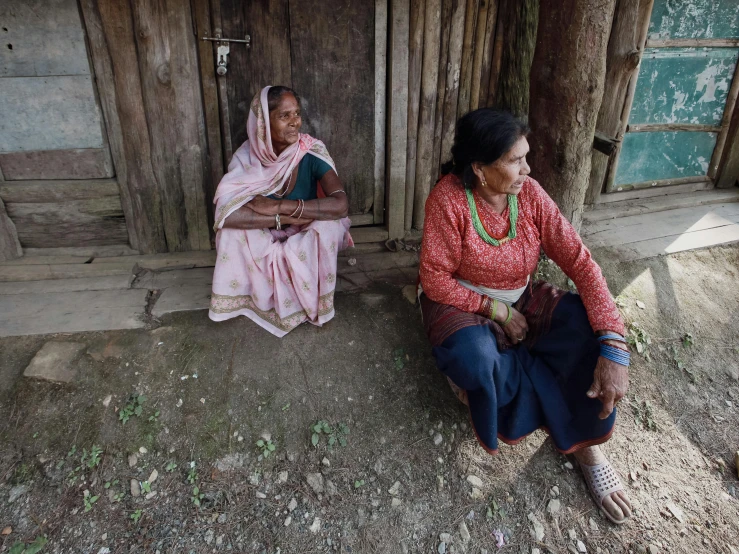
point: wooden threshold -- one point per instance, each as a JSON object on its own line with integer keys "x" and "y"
{"x": 624, "y": 208}
{"x": 668, "y": 188}
{"x": 666, "y": 232}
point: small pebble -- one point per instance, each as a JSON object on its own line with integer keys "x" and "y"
{"x": 261, "y": 495}
{"x": 475, "y": 481}
{"x": 288, "y": 521}
{"x": 438, "y": 439}
{"x": 569, "y": 465}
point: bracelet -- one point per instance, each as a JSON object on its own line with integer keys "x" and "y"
{"x": 335, "y": 192}
{"x": 494, "y": 311}
{"x": 302, "y": 207}
{"x": 510, "y": 315}
{"x": 296, "y": 209}
{"x": 278, "y": 225}
{"x": 611, "y": 336}
{"x": 615, "y": 354}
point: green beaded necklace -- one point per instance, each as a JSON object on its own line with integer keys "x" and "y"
{"x": 477, "y": 224}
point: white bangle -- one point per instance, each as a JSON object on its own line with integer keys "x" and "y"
{"x": 278, "y": 225}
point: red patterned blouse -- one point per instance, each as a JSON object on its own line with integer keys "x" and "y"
{"x": 452, "y": 248}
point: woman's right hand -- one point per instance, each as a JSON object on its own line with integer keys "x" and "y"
{"x": 517, "y": 326}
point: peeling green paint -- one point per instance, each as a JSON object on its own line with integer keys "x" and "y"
{"x": 683, "y": 85}
{"x": 694, "y": 19}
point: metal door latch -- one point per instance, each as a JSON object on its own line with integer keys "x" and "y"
{"x": 224, "y": 49}
{"x": 222, "y": 59}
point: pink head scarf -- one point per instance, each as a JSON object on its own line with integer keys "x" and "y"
{"x": 255, "y": 169}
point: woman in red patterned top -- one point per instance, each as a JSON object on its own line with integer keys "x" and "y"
{"x": 521, "y": 355}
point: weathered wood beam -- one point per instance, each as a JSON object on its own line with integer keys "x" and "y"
{"x": 453, "y": 70}
{"x": 398, "y": 110}
{"x": 110, "y": 32}
{"x": 57, "y": 191}
{"x": 625, "y": 45}
{"x": 415, "y": 63}
{"x": 670, "y": 127}
{"x": 426, "y": 174}
{"x": 693, "y": 43}
{"x": 381, "y": 22}
{"x": 567, "y": 79}
{"x": 468, "y": 48}
{"x": 731, "y": 101}
{"x": 215, "y": 164}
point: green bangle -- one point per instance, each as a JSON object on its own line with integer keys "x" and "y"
{"x": 494, "y": 311}
{"x": 510, "y": 316}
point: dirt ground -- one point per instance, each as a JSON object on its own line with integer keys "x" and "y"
{"x": 410, "y": 471}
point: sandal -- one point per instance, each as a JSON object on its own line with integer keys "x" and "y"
{"x": 602, "y": 480}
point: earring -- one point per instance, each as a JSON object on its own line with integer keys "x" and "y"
{"x": 484, "y": 182}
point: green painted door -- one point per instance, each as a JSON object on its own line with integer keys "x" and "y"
{"x": 680, "y": 97}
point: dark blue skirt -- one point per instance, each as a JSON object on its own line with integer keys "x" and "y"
{"x": 512, "y": 391}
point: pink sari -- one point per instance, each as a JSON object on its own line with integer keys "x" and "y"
{"x": 276, "y": 279}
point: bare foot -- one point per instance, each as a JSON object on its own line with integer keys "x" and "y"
{"x": 617, "y": 503}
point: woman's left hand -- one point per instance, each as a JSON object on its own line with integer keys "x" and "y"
{"x": 264, "y": 206}
{"x": 610, "y": 383}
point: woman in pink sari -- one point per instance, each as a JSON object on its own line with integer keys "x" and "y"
{"x": 281, "y": 219}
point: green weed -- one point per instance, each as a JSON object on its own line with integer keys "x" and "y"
{"x": 333, "y": 435}
{"x": 32, "y": 548}
{"x": 134, "y": 407}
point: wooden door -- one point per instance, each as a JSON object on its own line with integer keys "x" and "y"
{"x": 681, "y": 106}
{"x": 325, "y": 50}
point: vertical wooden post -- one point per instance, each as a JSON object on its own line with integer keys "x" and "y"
{"x": 398, "y": 108}
{"x": 625, "y": 47}
{"x": 451, "y": 94}
{"x": 468, "y": 49}
{"x": 487, "y": 52}
{"x": 10, "y": 247}
{"x": 381, "y": 20}
{"x": 415, "y": 61}
{"x": 215, "y": 164}
{"x": 479, "y": 49}
{"x": 731, "y": 101}
{"x": 566, "y": 92}
{"x": 446, "y": 17}
{"x": 425, "y": 172}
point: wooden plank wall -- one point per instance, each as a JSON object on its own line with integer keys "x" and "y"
{"x": 452, "y": 69}
{"x": 145, "y": 59}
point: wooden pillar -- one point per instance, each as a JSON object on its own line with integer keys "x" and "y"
{"x": 625, "y": 48}
{"x": 425, "y": 172}
{"x": 415, "y": 61}
{"x": 453, "y": 71}
{"x": 398, "y": 112}
{"x": 567, "y": 80}
{"x": 511, "y": 67}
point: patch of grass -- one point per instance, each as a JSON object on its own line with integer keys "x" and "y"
{"x": 89, "y": 500}
{"x": 400, "y": 357}
{"x": 192, "y": 474}
{"x": 88, "y": 461}
{"x": 154, "y": 417}
{"x": 197, "y": 496}
{"x": 644, "y": 414}
{"x": 136, "y": 516}
{"x": 332, "y": 434}
{"x": 170, "y": 467}
{"x": 687, "y": 340}
{"x": 134, "y": 407}
{"x": 266, "y": 447}
{"x": 23, "y": 473}
{"x": 31, "y": 548}
{"x": 639, "y": 339}
{"x": 358, "y": 483}
{"x": 495, "y": 511}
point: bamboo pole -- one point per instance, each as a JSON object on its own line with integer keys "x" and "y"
{"x": 482, "y": 19}
{"x": 487, "y": 53}
{"x": 429, "y": 82}
{"x": 451, "y": 94}
{"x": 415, "y": 61}
{"x": 468, "y": 49}
{"x": 446, "y": 16}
